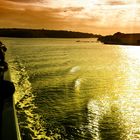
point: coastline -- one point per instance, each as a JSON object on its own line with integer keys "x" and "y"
{"x": 121, "y": 39}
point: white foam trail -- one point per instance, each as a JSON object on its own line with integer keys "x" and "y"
{"x": 96, "y": 110}
{"x": 20, "y": 78}
{"x": 24, "y": 100}
{"x": 93, "y": 119}
{"x": 75, "y": 69}
{"x": 77, "y": 84}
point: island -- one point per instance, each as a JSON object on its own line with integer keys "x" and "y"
{"x": 43, "y": 33}
{"x": 121, "y": 39}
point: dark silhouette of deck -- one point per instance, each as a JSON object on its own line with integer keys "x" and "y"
{"x": 8, "y": 122}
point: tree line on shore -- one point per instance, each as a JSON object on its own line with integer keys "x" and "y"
{"x": 121, "y": 39}
{"x": 43, "y": 33}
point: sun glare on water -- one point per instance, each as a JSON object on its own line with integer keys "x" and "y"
{"x": 130, "y": 100}
{"x": 133, "y": 52}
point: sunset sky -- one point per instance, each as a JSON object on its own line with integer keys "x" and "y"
{"x": 93, "y": 16}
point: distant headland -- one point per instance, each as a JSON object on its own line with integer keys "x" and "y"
{"x": 121, "y": 39}
{"x": 43, "y": 33}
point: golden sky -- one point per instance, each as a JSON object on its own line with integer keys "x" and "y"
{"x": 94, "y": 16}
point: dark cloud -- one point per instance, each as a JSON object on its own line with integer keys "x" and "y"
{"x": 115, "y": 3}
{"x": 74, "y": 9}
{"x": 25, "y": 1}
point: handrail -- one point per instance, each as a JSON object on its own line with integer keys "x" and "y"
{"x": 9, "y": 128}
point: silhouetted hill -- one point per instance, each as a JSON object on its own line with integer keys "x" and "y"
{"x": 121, "y": 39}
{"x": 42, "y": 33}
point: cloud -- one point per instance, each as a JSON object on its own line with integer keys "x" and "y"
{"x": 35, "y": 16}
{"x": 115, "y": 3}
{"x": 74, "y": 9}
{"x": 25, "y": 1}
{"x": 88, "y": 16}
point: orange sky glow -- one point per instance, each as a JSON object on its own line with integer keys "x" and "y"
{"x": 93, "y": 16}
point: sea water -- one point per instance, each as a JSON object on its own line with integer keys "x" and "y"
{"x": 75, "y": 89}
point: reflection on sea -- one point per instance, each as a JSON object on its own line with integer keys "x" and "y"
{"x": 76, "y": 90}
{"x": 117, "y": 118}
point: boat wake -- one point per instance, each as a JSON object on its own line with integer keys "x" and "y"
{"x": 29, "y": 122}
{"x": 77, "y": 85}
{"x": 75, "y": 69}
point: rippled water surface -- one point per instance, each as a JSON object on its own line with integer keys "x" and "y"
{"x": 69, "y": 90}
